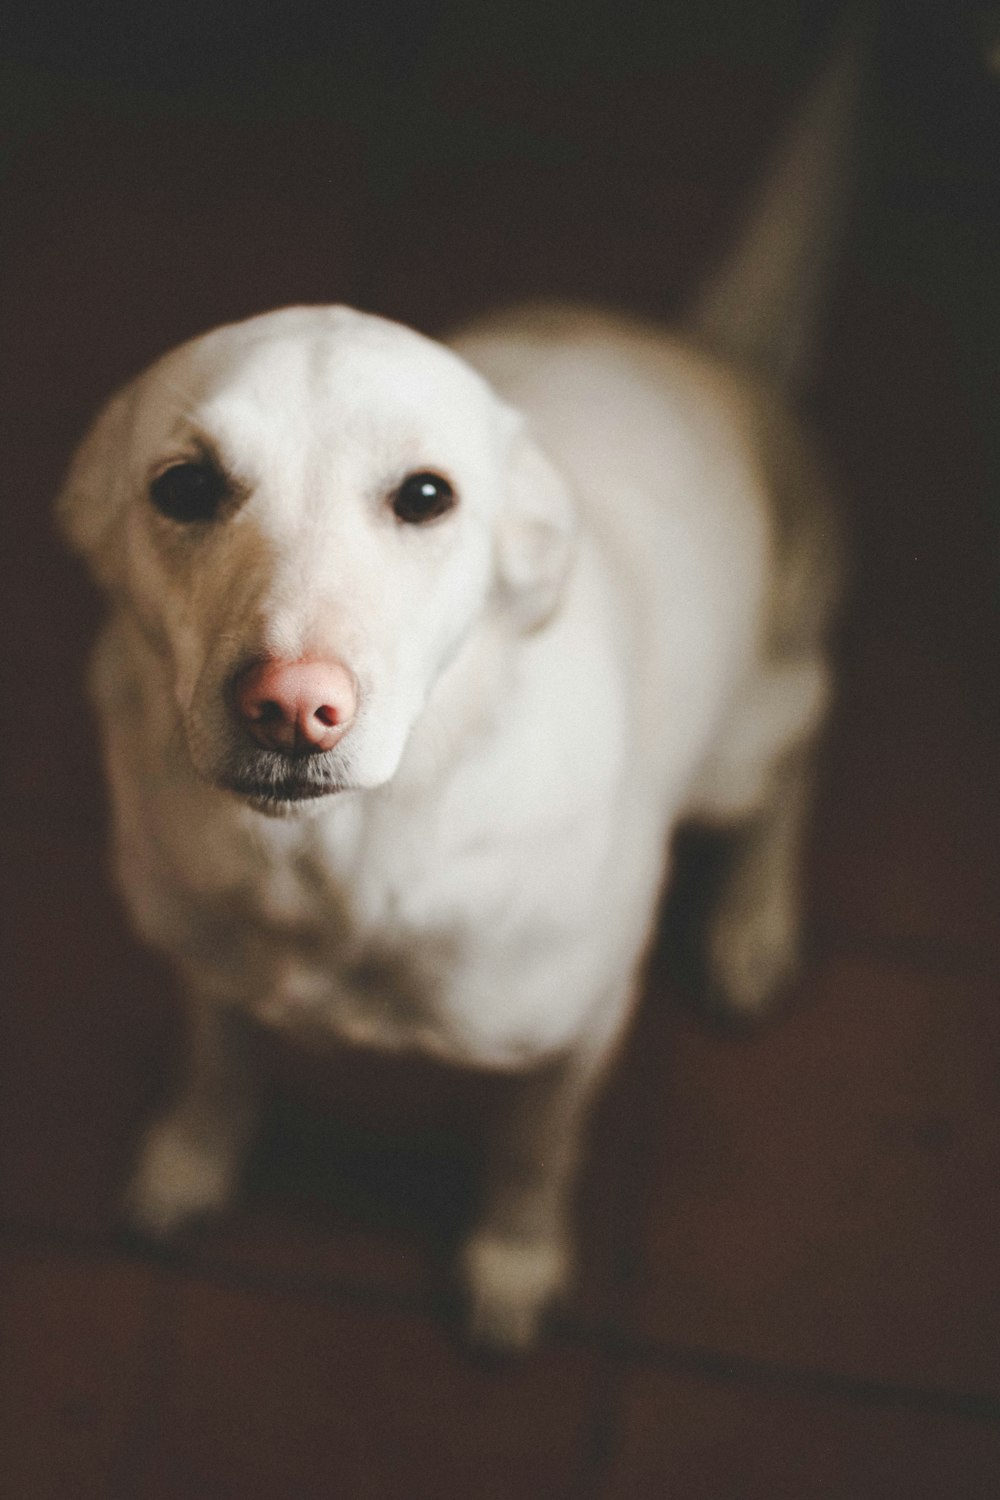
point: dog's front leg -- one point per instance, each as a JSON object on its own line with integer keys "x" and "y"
{"x": 518, "y": 1259}
{"x": 190, "y": 1161}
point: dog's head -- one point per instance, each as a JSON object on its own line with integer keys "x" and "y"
{"x": 309, "y": 515}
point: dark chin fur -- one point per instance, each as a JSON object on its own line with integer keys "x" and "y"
{"x": 280, "y": 798}
{"x": 273, "y": 806}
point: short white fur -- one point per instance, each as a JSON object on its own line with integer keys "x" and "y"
{"x": 620, "y": 626}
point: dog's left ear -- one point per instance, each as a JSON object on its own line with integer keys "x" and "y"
{"x": 93, "y": 490}
{"x": 535, "y": 534}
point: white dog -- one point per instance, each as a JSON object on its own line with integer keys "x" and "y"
{"x": 416, "y": 657}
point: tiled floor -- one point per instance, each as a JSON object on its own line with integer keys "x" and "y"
{"x": 791, "y": 1240}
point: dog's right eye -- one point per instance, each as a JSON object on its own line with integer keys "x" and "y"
{"x": 423, "y": 497}
{"x": 191, "y": 491}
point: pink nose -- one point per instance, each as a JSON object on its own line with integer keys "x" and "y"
{"x": 300, "y": 707}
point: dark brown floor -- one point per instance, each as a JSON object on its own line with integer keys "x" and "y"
{"x": 792, "y": 1247}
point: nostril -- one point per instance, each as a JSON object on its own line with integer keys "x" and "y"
{"x": 327, "y": 715}
{"x": 267, "y": 712}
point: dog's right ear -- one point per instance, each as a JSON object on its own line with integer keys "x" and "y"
{"x": 94, "y": 489}
{"x": 537, "y": 532}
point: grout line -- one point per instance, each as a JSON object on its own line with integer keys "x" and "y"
{"x": 936, "y": 958}
{"x": 731, "y": 1369}
{"x": 183, "y": 1266}
{"x": 602, "y": 1441}
{"x": 152, "y": 1370}
{"x": 647, "y": 1095}
{"x": 602, "y": 1335}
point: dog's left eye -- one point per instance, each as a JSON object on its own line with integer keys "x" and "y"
{"x": 191, "y": 491}
{"x": 423, "y": 497}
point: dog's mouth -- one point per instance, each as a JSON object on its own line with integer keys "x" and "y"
{"x": 283, "y": 799}
{"x": 278, "y": 783}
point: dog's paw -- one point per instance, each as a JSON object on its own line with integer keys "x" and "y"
{"x": 752, "y": 958}
{"x": 509, "y": 1285}
{"x": 179, "y": 1181}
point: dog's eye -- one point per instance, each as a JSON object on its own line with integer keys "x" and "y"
{"x": 423, "y": 497}
{"x": 190, "y": 491}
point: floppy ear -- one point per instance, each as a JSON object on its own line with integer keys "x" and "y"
{"x": 535, "y": 534}
{"x": 95, "y": 487}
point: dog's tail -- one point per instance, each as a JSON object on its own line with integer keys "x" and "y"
{"x": 763, "y": 307}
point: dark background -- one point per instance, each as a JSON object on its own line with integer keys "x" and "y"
{"x": 790, "y": 1241}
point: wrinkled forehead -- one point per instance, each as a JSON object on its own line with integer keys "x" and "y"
{"x": 323, "y": 381}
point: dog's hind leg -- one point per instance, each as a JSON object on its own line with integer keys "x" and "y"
{"x": 754, "y": 938}
{"x": 191, "y": 1158}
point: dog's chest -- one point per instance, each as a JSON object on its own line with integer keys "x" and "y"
{"x": 350, "y": 935}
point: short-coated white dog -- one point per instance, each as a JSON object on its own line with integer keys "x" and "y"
{"x": 416, "y": 656}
